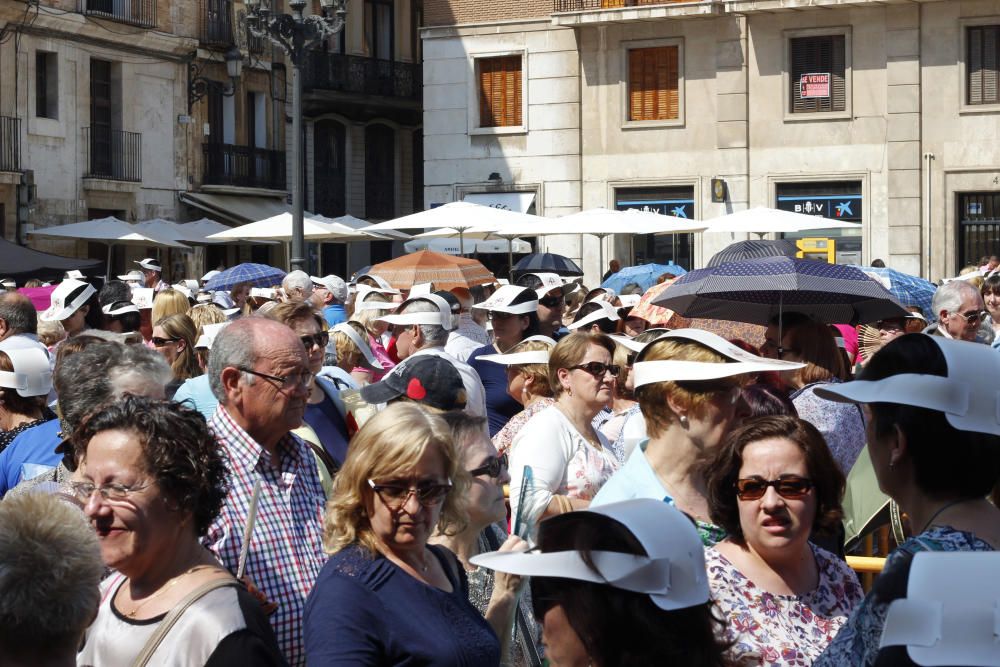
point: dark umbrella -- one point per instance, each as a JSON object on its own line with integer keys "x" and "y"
{"x": 546, "y": 262}
{"x": 756, "y": 290}
{"x": 752, "y": 249}
{"x": 258, "y": 275}
{"x": 20, "y": 264}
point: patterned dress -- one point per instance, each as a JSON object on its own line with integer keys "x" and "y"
{"x": 505, "y": 436}
{"x": 785, "y": 630}
{"x": 857, "y": 643}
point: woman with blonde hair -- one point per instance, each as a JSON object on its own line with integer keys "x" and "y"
{"x": 386, "y": 596}
{"x": 206, "y": 313}
{"x": 369, "y": 306}
{"x": 527, "y": 383}
{"x": 174, "y": 337}
{"x": 353, "y": 351}
{"x": 169, "y": 302}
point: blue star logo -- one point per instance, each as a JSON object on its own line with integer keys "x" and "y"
{"x": 844, "y": 208}
{"x": 678, "y": 212}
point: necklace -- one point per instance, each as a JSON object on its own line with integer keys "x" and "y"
{"x": 942, "y": 509}
{"x": 163, "y": 589}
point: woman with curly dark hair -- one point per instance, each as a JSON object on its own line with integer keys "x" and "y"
{"x": 771, "y": 484}
{"x": 151, "y": 480}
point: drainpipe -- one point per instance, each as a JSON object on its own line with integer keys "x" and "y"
{"x": 927, "y": 213}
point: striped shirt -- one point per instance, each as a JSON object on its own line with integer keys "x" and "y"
{"x": 286, "y": 552}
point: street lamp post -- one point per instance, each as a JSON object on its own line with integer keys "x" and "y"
{"x": 296, "y": 34}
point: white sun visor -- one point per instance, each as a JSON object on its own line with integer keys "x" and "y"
{"x": 741, "y": 361}
{"x": 968, "y": 396}
{"x": 443, "y": 318}
{"x": 143, "y": 297}
{"x": 951, "y": 612}
{"x": 208, "y": 334}
{"x": 383, "y": 284}
{"x": 119, "y": 308}
{"x": 519, "y": 358}
{"x": 500, "y": 301}
{"x": 362, "y": 345}
{"x": 31, "y": 376}
{"x": 606, "y": 311}
{"x": 59, "y": 309}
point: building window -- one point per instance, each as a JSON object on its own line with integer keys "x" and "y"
{"x": 835, "y": 200}
{"x": 379, "y": 29}
{"x": 676, "y": 201}
{"x": 817, "y": 74}
{"x": 380, "y": 172}
{"x": 982, "y": 64}
{"x": 330, "y": 168}
{"x": 500, "y": 91}
{"x": 978, "y": 226}
{"x": 46, "y": 85}
{"x": 653, "y": 83}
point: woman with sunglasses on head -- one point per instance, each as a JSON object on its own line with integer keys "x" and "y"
{"x": 385, "y": 596}
{"x": 568, "y": 459}
{"x": 496, "y": 597}
{"x": 771, "y": 484}
{"x": 174, "y": 338}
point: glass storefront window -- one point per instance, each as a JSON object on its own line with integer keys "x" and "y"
{"x": 675, "y": 201}
{"x": 837, "y": 200}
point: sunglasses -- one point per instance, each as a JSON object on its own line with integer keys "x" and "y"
{"x": 161, "y": 342}
{"x": 552, "y": 301}
{"x": 494, "y": 467}
{"x": 791, "y": 487}
{"x": 500, "y": 315}
{"x": 598, "y": 369}
{"x": 890, "y": 325}
{"x": 319, "y": 340}
{"x": 972, "y": 318}
{"x": 395, "y": 495}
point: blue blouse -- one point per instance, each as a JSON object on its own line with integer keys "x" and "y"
{"x": 500, "y": 407}
{"x": 365, "y": 610}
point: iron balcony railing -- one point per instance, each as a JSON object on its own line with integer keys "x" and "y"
{"x": 10, "y": 144}
{"x": 582, "y": 5}
{"x": 243, "y": 166}
{"x": 114, "y": 155}
{"x": 140, "y": 13}
{"x": 217, "y": 22}
{"x": 366, "y": 76}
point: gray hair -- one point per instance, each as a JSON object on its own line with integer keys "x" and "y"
{"x": 114, "y": 291}
{"x": 43, "y": 617}
{"x": 233, "y": 346}
{"x": 949, "y": 296}
{"x": 100, "y": 373}
{"x": 297, "y": 281}
{"x": 19, "y": 314}
{"x": 434, "y": 335}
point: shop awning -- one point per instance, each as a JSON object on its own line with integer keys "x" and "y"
{"x": 236, "y": 209}
{"x": 519, "y": 202}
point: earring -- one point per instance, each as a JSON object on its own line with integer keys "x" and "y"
{"x": 684, "y": 421}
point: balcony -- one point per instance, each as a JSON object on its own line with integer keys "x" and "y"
{"x": 10, "y": 144}
{"x": 140, "y": 13}
{"x": 597, "y": 12}
{"x": 216, "y": 23}
{"x": 113, "y": 155}
{"x": 243, "y": 166}
{"x": 363, "y": 76}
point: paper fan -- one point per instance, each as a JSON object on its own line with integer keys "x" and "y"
{"x": 869, "y": 341}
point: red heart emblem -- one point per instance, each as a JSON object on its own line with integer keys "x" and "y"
{"x": 415, "y": 390}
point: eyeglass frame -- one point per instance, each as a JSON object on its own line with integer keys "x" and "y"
{"x": 411, "y": 491}
{"x": 163, "y": 341}
{"x": 590, "y": 370}
{"x": 553, "y": 302}
{"x": 744, "y": 496}
{"x": 980, "y": 315}
{"x": 77, "y": 490}
{"x": 282, "y": 380}
{"x": 494, "y": 467}
{"x": 320, "y": 339}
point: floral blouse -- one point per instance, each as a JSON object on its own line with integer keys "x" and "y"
{"x": 858, "y": 642}
{"x": 785, "y": 630}
{"x": 505, "y": 436}
{"x": 842, "y": 424}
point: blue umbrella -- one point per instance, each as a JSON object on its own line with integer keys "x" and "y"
{"x": 910, "y": 290}
{"x": 545, "y": 262}
{"x": 755, "y": 290}
{"x": 258, "y": 275}
{"x": 643, "y": 275}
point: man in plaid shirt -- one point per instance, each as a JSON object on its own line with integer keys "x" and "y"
{"x": 258, "y": 369}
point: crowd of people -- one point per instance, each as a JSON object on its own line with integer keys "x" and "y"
{"x": 523, "y": 473}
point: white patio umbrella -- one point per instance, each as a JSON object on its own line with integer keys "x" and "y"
{"x": 762, "y": 220}
{"x": 110, "y": 231}
{"x": 452, "y": 247}
{"x": 279, "y": 228}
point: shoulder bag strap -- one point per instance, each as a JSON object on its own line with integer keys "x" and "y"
{"x": 174, "y": 614}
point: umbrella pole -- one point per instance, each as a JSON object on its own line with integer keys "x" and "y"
{"x": 461, "y": 241}
{"x": 510, "y": 259}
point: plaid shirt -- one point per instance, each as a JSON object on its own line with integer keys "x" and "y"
{"x": 286, "y": 552}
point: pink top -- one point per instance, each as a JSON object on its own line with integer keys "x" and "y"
{"x": 381, "y": 356}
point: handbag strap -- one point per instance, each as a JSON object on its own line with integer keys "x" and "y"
{"x": 174, "y": 614}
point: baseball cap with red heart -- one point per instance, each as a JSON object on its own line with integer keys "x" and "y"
{"x": 425, "y": 379}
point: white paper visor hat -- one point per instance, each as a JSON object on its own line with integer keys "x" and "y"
{"x": 59, "y": 310}
{"x": 501, "y": 301}
{"x": 362, "y": 345}
{"x": 969, "y": 396}
{"x": 672, "y": 573}
{"x": 670, "y": 370}
{"x": 442, "y": 317}
{"x": 951, "y": 612}
{"x": 605, "y": 311}
{"x": 31, "y": 376}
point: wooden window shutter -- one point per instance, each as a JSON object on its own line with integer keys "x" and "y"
{"x": 653, "y": 80}
{"x": 824, "y": 54}
{"x": 500, "y": 91}
{"x": 982, "y": 65}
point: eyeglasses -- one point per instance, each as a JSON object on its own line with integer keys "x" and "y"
{"x": 552, "y": 301}
{"x": 395, "y": 495}
{"x": 791, "y": 487}
{"x": 320, "y": 339}
{"x": 598, "y": 369}
{"x": 285, "y": 382}
{"x": 161, "y": 342}
{"x": 975, "y": 317}
{"x": 500, "y": 315}
{"x": 112, "y": 491}
{"x": 890, "y": 325}
{"x": 494, "y": 467}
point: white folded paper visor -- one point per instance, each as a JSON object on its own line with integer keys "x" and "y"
{"x": 606, "y": 311}
{"x": 119, "y": 308}
{"x": 500, "y": 301}
{"x": 31, "y": 375}
{"x": 441, "y": 318}
{"x": 519, "y": 358}
{"x": 362, "y": 345}
{"x": 739, "y": 361}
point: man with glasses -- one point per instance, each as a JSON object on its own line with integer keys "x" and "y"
{"x": 960, "y": 310}
{"x": 259, "y": 371}
{"x": 551, "y": 294}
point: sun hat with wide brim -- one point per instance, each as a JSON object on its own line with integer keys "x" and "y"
{"x": 32, "y": 375}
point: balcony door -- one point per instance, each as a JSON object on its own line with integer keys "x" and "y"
{"x": 100, "y": 118}
{"x": 329, "y": 172}
{"x": 379, "y": 29}
{"x": 380, "y": 172}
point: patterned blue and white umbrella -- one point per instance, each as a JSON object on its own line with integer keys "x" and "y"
{"x": 258, "y": 275}
{"x": 909, "y": 290}
{"x": 751, "y": 249}
{"x": 643, "y": 275}
{"x": 755, "y": 290}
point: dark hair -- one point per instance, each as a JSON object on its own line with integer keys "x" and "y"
{"x": 946, "y": 461}
{"x": 616, "y": 626}
{"x": 19, "y": 313}
{"x": 30, "y": 406}
{"x": 524, "y": 297}
{"x": 130, "y": 321}
{"x": 178, "y": 450}
{"x": 114, "y": 291}
{"x": 991, "y": 285}
{"x": 723, "y": 470}
{"x": 763, "y": 400}
{"x": 605, "y": 324}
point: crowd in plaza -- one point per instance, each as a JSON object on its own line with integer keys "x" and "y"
{"x": 525, "y": 472}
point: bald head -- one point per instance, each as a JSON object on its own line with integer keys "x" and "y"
{"x": 17, "y": 315}
{"x": 241, "y": 344}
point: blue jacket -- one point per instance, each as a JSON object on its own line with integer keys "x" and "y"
{"x": 30, "y": 454}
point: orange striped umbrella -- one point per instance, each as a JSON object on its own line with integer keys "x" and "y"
{"x": 427, "y": 266}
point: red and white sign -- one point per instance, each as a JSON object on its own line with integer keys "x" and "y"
{"x": 814, "y": 85}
